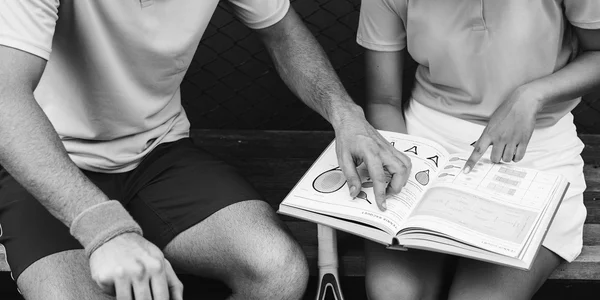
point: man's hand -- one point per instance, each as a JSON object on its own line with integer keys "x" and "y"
{"x": 357, "y": 142}
{"x": 130, "y": 267}
{"x": 303, "y": 66}
{"x": 509, "y": 129}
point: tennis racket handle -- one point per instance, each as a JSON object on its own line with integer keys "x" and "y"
{"x": 328, "y": 257}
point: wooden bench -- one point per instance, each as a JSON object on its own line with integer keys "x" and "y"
{"x": 274, "y": 160}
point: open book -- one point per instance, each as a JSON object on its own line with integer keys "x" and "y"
{"x": 497, "y": 213}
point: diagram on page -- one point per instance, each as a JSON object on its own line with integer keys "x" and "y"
{"x": 500, "y": 181}
{"x": 326, "y": 187}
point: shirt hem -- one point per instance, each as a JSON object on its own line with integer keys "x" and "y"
{"x": 272, "y": 19}
{"x": 547, "y": 119}
{"x": 135, "y": 163}
{"x": 379, "y": 47}
{"x": 24, "y": 46}
{"x": 587, "y": 25}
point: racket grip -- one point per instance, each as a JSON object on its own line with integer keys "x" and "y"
{"x": 328, "y": 264}
{"x": 328, "y": 257}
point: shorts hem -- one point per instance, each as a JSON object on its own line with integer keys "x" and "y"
{"x": 183, "y": 224}
{"x": 15, "y": 274}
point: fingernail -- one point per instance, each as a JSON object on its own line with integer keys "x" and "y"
{"x": 352, "y": 190}
{"x": 467, "y": 169}
{"x": 384, "y": 205}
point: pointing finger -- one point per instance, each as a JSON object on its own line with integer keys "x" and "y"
{"x": 480, "y": 148}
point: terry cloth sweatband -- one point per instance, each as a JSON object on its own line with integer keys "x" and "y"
{"x": 100, "y": 223}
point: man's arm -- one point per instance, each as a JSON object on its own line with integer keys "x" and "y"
{"x": 31, "y": 151}
{"x": 304, "y": 67}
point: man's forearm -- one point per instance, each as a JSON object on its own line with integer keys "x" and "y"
{"x": 304, "y": 67}
{"x": 31, "y": 151}
{"x": 34, "y": 155}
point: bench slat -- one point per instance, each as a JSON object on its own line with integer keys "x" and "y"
{"x": 307, "y": 144}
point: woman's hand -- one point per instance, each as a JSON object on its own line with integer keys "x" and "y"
{"x": 509, "y": 129}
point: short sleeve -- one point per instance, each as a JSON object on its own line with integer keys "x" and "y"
{"x": 28, "y": 25}
{"x": 583, "y": 13}
{"x": 258, "y": 14}
{"x": 380, "y": 26}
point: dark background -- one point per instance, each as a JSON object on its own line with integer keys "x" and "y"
{"x": 231, "y": 83}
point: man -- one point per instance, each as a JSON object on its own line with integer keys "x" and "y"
{"x": 96, "y": 154}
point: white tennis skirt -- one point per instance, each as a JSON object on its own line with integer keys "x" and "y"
{"x": 555, "y": 149}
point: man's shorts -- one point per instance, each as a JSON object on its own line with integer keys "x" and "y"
{"x": 175, "y": 187}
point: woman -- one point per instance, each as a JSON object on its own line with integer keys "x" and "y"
{"x": 505, "y": 74}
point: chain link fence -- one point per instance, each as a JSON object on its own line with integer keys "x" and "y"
{"x": 231, "y": 83}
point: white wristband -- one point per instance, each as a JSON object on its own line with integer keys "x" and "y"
{"x": 100, "y": 223}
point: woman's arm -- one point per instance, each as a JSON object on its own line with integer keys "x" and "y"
{"x": 578, "y": 78}
{"x": 511, "y": 125}
{"x": 383, "y": 78}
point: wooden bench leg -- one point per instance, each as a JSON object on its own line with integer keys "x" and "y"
{"x": 328, "y": 264}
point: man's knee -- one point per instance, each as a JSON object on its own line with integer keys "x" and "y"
{"x": 246, "y": 246}
{"x": 280, "y": 269}
{"x": 275, "y": 256}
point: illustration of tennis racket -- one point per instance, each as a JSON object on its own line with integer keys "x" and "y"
{"x": 329, "y": 181}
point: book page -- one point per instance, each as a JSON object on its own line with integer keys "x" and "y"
{"x": 501, "y": 182}
{"x": 495, "y": 206}
{"x": 426, "y": 157}
{"x": 324, "y": 188}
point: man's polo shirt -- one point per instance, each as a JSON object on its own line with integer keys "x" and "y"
{"x": 111, "y": 84}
